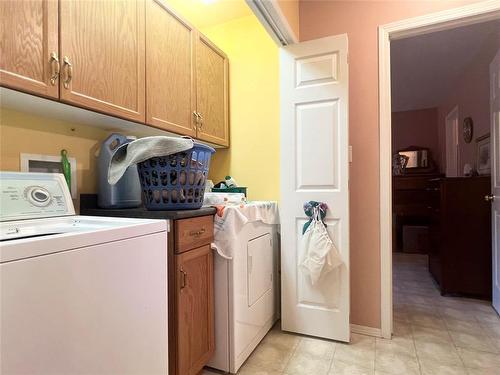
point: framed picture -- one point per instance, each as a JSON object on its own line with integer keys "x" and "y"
{"x": 49, "y": 164}
{"x": 483, "y": 155}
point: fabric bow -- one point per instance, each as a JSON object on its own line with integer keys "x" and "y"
{"x": 310, "y": 209}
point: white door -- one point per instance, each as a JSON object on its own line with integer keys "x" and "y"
{"x": 495, "y": 175}
{"x": 314, "y": 166}
{"x": 452, "y": 143}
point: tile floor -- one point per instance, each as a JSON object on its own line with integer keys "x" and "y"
{"x": 432, "y": 335}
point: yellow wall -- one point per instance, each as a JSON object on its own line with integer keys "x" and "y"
{"x": 253, "y": 158}
{"x": 25, "y": 133}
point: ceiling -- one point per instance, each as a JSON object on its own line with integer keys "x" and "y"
{"x": 207, "y": 13}
{"x": 424, "y": 69}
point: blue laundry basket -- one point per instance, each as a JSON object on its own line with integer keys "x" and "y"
{"x": 176, "y": 182}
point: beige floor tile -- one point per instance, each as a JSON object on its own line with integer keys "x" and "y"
{"x": 401, "y": 345}
{"x": 249, "y": 370}
{"x": 462, "y": 326}
{"x": 427, "y": 320}
{"x": 482, "y": 360}
{"x": 431, "y": 335}
{"x": 487, "y": 317}
{"x": 395, "y": 362}
{"x": 401, "y": 316}
{"x": 207, "y": 371}
{"x": 270, "y": 356}
{"x": 458, "y": 314}
{"x": 316, "y": 347}
{"x": 303, "y": 363}
{"x": 402, "y": 329}
{"x": 492, "y": 330}
{"x": 438, "y": 353}
{"x": 361, "y": 351}
{"x": 432, "y": 368}
{"x": 342, "y": 368}
{"x": 473, "y": 341}
{"x": 483, "y": 371}
{"x": 282, "y": 339}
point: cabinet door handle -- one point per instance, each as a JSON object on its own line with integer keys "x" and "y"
{"x": 68, "y": 72}
{"x": 54, "y": 68}
{"x": 201, "y": 120}
{"x": 196, "y": 118}
{"x": 183, "y": 279}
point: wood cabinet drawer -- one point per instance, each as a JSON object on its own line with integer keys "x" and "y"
{"x": 193, "y": 233}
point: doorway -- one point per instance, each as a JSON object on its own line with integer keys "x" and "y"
{"x": 464, "y": 16}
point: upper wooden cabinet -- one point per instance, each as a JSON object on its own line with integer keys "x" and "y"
{"x": 212, "y": 92}
{"x": 29, "y": 46}
{"x": 134, "y": 59}
{"x": 170, "y": 79}
{"x": 102, "y": 56}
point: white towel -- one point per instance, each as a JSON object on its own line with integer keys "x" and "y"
{"x": 143, "y": 149}
{"x": 229, "y": 221}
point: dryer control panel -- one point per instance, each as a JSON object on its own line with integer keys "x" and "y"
{"x": 33, "y": 196}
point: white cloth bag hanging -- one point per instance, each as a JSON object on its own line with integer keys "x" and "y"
{"x": 319, "y": 253}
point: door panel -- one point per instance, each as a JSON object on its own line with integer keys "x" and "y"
{"x": 195, "y": 312}
{"x": 259, "y": 267}
{"x": 212, "y": 92}
{"x": 314, "y": 166}
{"x": 28, "y": 37}
{"x": 495, "y": 180}
{"x": 104, "y": 43}
{"x": 170, "y": 83}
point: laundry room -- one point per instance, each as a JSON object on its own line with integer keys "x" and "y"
{"x": 202, "y": 187}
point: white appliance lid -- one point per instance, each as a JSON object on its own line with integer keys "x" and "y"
{"x": 28, "y": 238}
{"x": 33, "y": 196}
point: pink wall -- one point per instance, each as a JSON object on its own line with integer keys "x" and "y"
{"x": 360, "y": 19}
{"x": 472, "y": 96}
{"x": 416, "y": 128}
{"x": 290, "y": 9}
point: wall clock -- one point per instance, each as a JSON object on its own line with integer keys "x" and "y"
{"x": 468, "y": 129}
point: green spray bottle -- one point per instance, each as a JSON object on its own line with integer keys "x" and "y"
{"x": 66, "y": 167}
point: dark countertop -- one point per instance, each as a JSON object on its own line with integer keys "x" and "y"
{"x": 88, "y": 207}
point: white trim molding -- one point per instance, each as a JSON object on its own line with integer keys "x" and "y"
{"x": 365, "y": 330}
{"x": 270, "y": 15}
{"x": 477, "y": 12}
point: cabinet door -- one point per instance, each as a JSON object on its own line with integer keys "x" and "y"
{"x": 170, "y": 79}
{"x": 195, "y": 310}
{"x": 212, "y": 92}
{"x": 29, "y": 46}
{"x": 102, "y": 47}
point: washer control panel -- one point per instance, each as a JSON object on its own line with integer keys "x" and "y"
{"x": 33, "y": 196}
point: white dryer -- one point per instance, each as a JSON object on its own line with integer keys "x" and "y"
{"x": 79, "y": 294}
{"x": 246, "y": 292}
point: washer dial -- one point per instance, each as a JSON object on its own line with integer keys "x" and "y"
{"x": 39, "y": 196}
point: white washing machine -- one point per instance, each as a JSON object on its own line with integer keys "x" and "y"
{"x": 79, "y": 294}
{"x": 246, "y": 294}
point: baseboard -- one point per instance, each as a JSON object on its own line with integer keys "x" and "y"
{"x": 365, "y": 330}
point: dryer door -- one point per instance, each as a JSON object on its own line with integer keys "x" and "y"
{"x": 260, "y": 267}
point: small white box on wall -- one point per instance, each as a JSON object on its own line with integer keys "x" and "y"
{"x": 49, "y": 164}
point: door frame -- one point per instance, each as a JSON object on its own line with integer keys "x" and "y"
{"x": 452, "y": 114}
{"x": 448, "y": 19}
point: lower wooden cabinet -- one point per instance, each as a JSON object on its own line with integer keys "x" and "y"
{"x": 191, "y": 295}
{"x": 460, "y": 256}
{"x": 195, "y": 311}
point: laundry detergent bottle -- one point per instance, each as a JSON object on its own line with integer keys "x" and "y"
{"x": 127, "y": 192}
